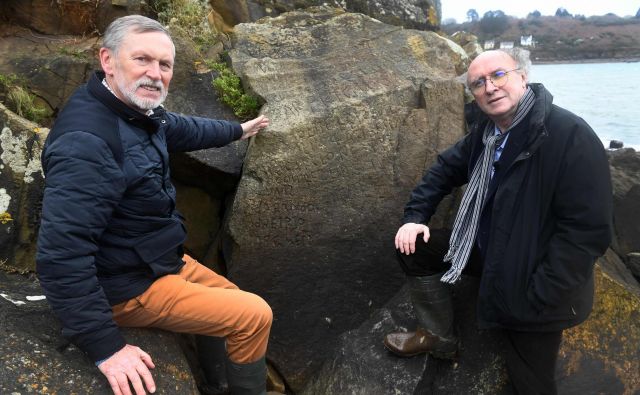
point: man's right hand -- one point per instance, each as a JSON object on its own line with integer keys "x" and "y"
{"x": 129, "y": 364}
{"x": 407, "y": 234}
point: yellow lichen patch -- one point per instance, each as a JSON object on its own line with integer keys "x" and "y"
{"x": 432, "y": 16}
{"x": 178, "y": 373}
{"x": 5, "y": 218}
{"x": 611, "y": 334}
{"x": 418, "y": 47}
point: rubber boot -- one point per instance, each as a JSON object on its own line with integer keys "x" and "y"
{"x": 212, "y": 358}
{"x": 434, "y": 310}
{"x": 247, "y": 378}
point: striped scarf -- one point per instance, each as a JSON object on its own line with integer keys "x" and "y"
{"x": 465, "y": 227}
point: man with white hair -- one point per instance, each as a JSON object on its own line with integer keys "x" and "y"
{"x": 533, "y": 219}
{"x": 110, "y": 243}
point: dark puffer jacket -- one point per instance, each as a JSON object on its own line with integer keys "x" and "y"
{"x": 550, "y": 213}
{"x": 109, "y": 224}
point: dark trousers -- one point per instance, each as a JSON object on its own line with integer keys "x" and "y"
{"x": 428, "y": 258}
{"x": 531, "y": 356}
{"x": 531, "y": 361}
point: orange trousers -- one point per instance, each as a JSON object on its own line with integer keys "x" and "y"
{"x": 199, "y": 301}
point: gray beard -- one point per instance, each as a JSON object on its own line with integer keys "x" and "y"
{"x": 140, "y": 103}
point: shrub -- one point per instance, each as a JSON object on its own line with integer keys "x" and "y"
{"x": 18, "y": 99}
{"x": 229, "y": 87}
{"x": 188, "y": 17}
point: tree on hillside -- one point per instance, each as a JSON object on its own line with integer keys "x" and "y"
{"x": 494, "y": 22}
{"x": 563, "y": 13}
{"x": 534, "y": 14}
{"x": 472, "y": 15}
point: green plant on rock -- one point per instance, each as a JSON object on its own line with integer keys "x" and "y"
{"x": 188, "y": 18}
{"x": 74, "y": 53}
{"x": 19, "y": 100}
{"x": 229, "y": 87}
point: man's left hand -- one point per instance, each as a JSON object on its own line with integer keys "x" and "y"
{"x": 252, "y": 127}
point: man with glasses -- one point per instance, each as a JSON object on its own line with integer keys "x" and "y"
{"x": 534, "y": 217}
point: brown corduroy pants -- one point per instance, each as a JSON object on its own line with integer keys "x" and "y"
{"x": 199, "y": 301}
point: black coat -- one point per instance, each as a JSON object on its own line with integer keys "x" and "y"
{"x": 109, "y": 224}
{"x": 550, "y": 216}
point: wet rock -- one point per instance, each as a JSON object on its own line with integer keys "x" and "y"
{"x": 323, "y": 188}
{"x": 36, "y": 359}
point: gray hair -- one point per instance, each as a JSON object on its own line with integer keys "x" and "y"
{"x": 521, "y": 56}
{"x": 119, "y": 28}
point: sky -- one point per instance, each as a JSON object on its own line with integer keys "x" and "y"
{"x": 457, "y": 9}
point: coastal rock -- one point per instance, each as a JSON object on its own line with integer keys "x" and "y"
{"x": 76, "y": 17}
{"x": 599, "y": 356}
{"x": 36, "y": 359}
{"x": 468, "y": 42}
{"x": 21, "y": 185}
{"x": 49, "y": 67}
{"x": 323, "y": 187}
{"x": 616, "y": 144}
{"x": 412, "y": 14}
{"x": 625, "y": 176}
{"x": 633, "y": 263}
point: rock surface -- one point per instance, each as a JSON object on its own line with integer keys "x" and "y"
{"x": 413, "y": 14}
{"x": 50, "y": 66}
{"x": 599, "y": 356}
{"x": 69, "y": 16}
{"x": 352, "y": 130}
{"x": 21, "y": 185}
{"x": 468, "y": 42}
{"x": 625, "y": 176}
{"x": 36, "y": 359}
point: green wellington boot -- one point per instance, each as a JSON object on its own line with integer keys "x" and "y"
{"x": 434, "y": 310}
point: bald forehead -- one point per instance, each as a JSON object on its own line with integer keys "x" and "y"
{"x": 488, "y": 62}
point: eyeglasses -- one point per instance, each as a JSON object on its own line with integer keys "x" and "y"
{"x": 498, "y": 78}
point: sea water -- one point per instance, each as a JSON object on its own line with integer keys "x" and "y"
{"x": 606, "y": 95}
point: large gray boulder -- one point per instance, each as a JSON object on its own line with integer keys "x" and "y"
{"x": 358, "y": 110}
{"x": 36, "y": 359}
{"x": 599, "y": 356}
{"x": 413, "y": 14}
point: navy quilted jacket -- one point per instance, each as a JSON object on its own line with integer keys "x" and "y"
{"x": 109, "y": 224}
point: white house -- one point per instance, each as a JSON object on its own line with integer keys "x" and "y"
{"x": 506, "y": 44}
{"x": 489, "y": 44}
{"x": 526, "y": 41}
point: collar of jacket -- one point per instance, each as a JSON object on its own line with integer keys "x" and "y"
{"x": 477, "y": 120}
{"x": 142, "y": 121}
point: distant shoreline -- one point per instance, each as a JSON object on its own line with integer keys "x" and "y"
{"x": 574, "y": 61}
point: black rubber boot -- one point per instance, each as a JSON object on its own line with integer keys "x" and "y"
{"x": 247, "y": 378}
